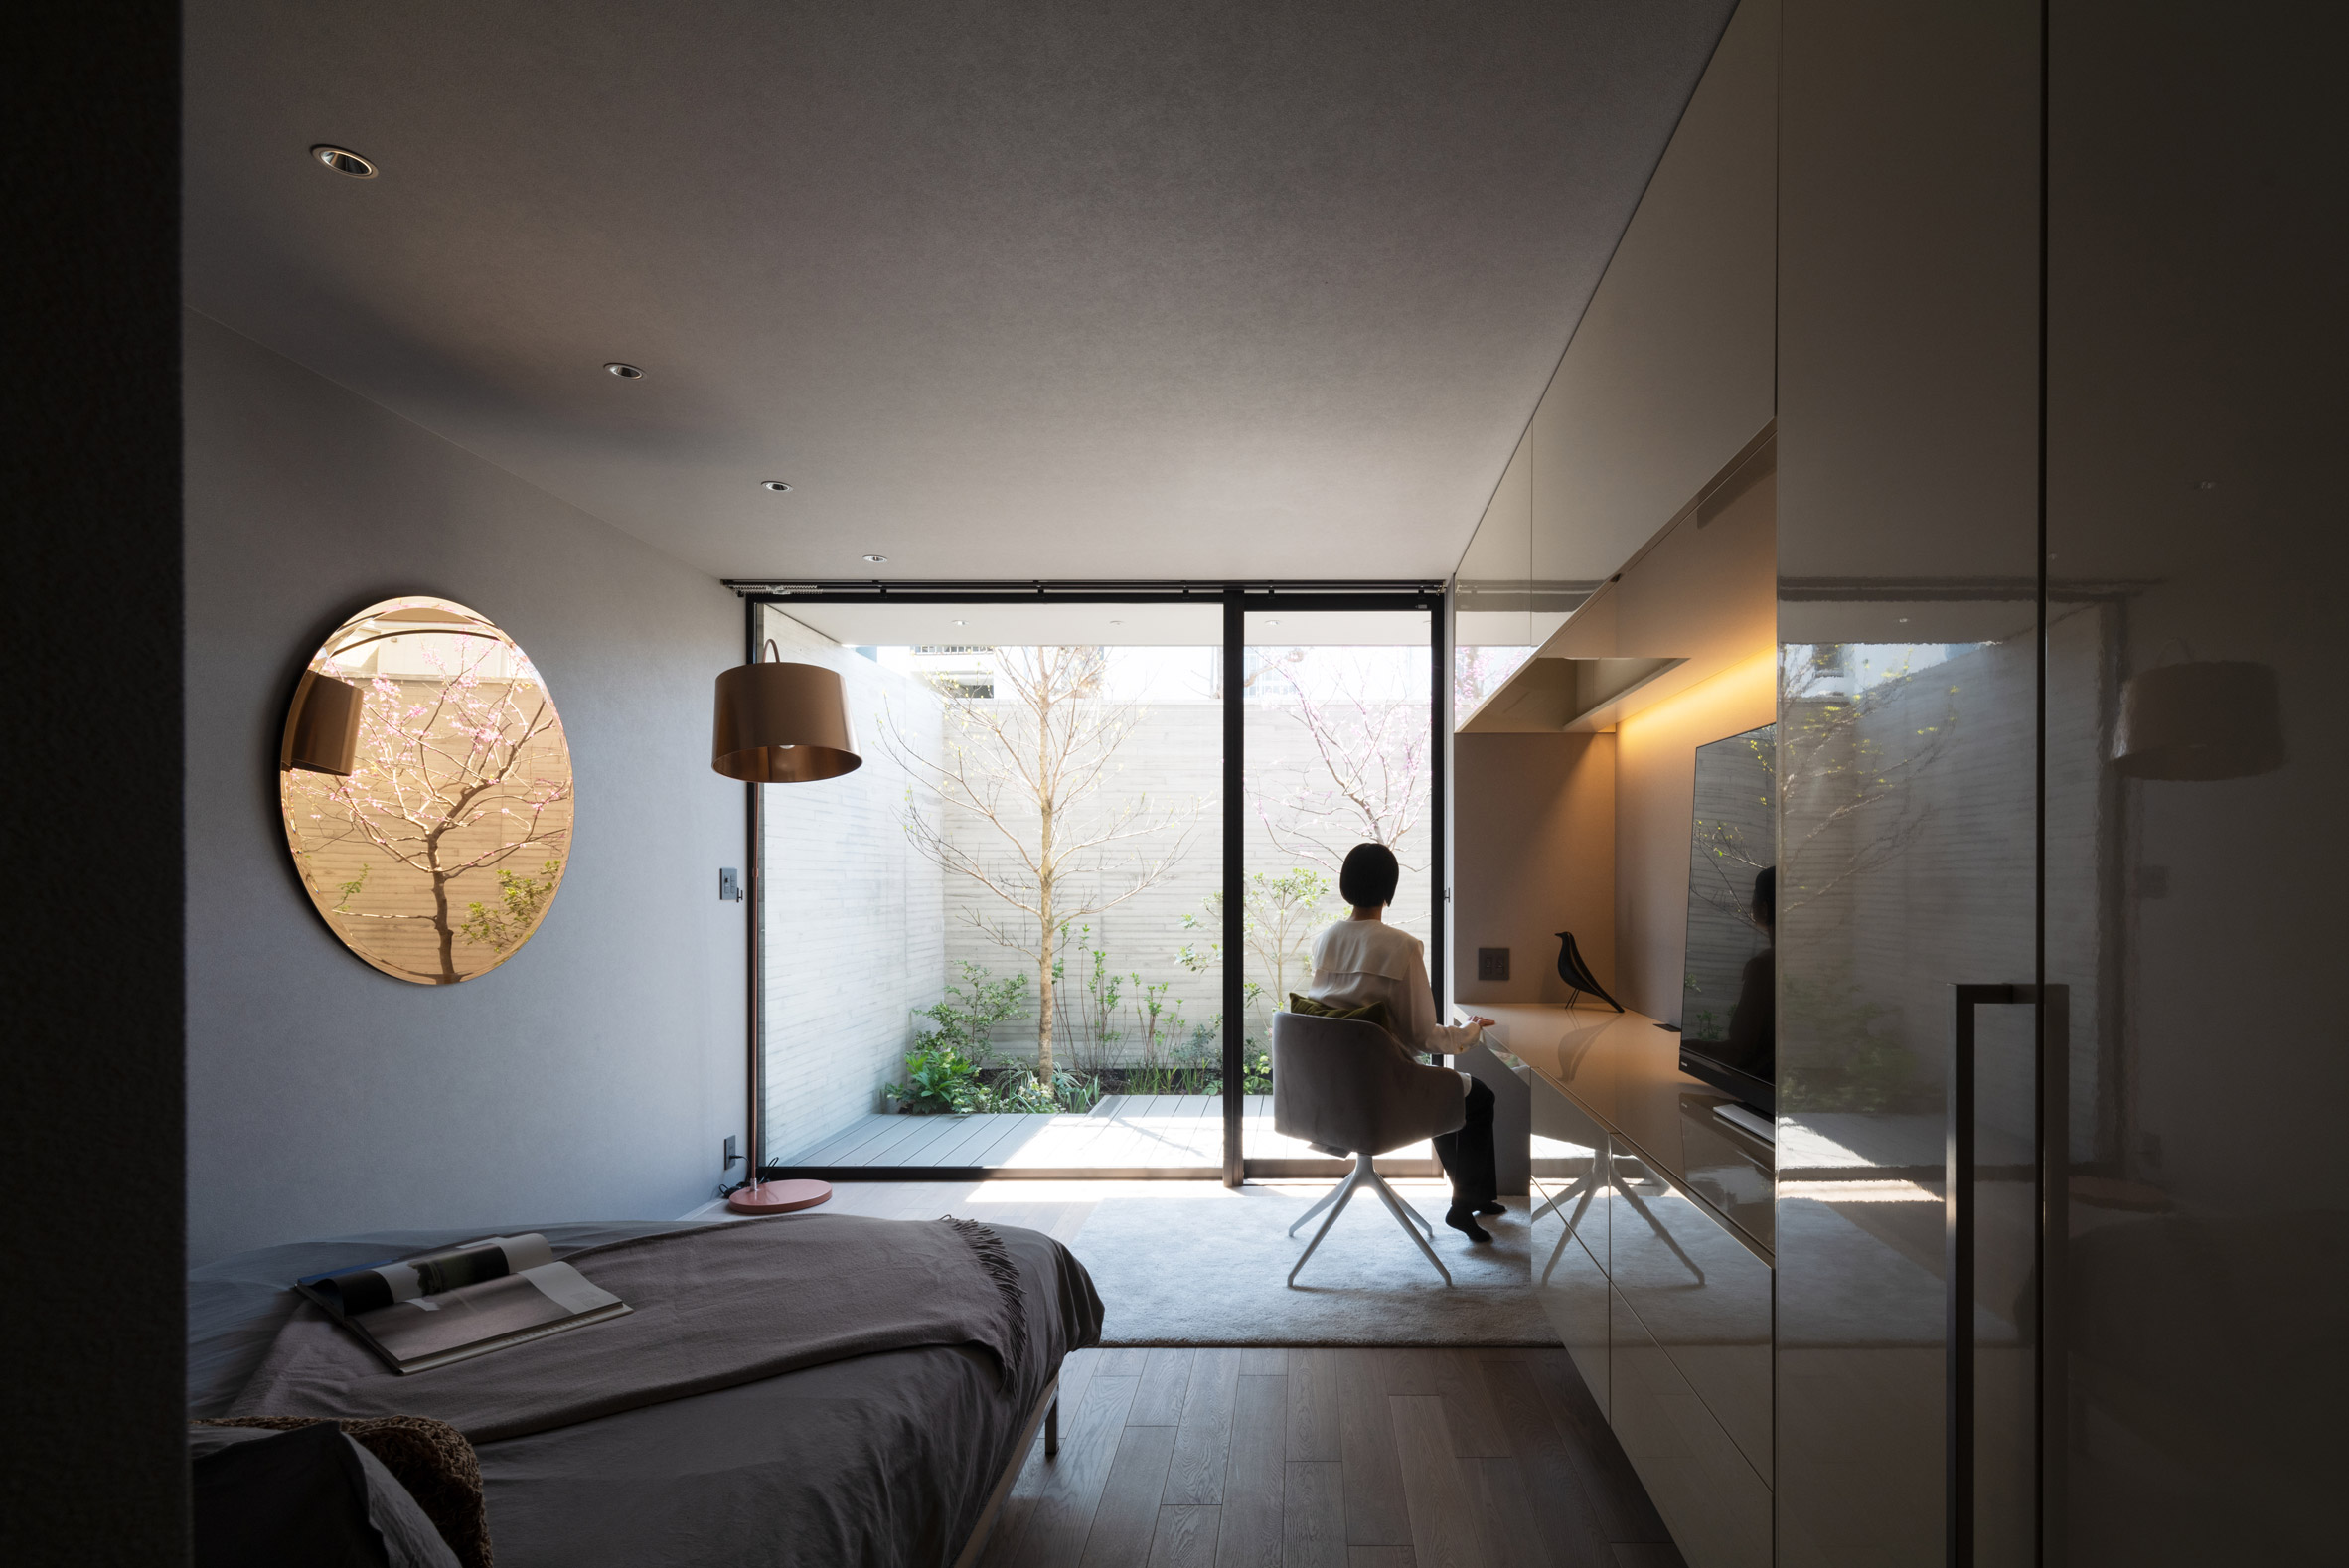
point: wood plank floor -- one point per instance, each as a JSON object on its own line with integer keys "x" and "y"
{"x": 1328, "y": 1458}
{"x": 1438, "y": 1457}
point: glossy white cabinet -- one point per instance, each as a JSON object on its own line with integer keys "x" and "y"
{"x": 1666, "y": 1306}
{"x": 1570, "y": 1230}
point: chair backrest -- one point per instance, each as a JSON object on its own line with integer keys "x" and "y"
{"x": 1346, "y": 1084}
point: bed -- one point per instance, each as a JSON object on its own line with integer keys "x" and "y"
{"x": 885, "y": 1458}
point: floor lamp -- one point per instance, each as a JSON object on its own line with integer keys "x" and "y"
{"x": 777, "y": 723}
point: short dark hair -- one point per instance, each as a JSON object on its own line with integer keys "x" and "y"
{"x": 1766, "y": 895}
{"x": 1369, "y": 876}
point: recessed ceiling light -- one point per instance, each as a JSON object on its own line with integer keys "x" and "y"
{"x": 344, "y": 161}
{"x": 625, "y": 371}
{"x": 1272, "y": 623}
{"x": 958, "y": 624}
{"x": 776, "y": 485}
{"x": 879, "y": 561}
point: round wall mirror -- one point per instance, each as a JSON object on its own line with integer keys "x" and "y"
{"x": 426, "y": 787}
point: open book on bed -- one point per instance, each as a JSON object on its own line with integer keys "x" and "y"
{"x": 433, "y": 1308}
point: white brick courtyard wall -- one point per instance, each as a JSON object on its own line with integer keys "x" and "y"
{"x": 854, "y": 918}
{"x": 1175, "y": 752}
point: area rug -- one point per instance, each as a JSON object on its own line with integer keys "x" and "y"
{"x": 1206, "y": 1267}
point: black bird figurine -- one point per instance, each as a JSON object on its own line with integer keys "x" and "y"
{"x": 1576, "y": 974}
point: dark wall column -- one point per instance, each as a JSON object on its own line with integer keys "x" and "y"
{"x": 2198, "y": 738}
{"x": 1909, "y": 558}
{"x": 91, "y": 1311}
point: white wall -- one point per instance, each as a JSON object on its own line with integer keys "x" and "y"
{"x": 855, "y": 922}
{"x": 596, "y": 1073}
{"x": 1531, "y": 828}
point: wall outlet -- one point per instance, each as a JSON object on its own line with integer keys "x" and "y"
{"x": 734, "y": 1151}
{"x": 729, "y": 886}
{"x": 1492, "y": 963}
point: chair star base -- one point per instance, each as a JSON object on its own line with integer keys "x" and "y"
{"x": 1364, "y": 1176}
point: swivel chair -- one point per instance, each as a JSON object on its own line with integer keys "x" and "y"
{"x": 1346, "y": 1085}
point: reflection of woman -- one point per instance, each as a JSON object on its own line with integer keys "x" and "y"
{"x": 1751, "y": 1046}
{"x": 1362, "y": 959}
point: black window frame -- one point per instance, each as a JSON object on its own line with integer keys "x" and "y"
{"x": 1237, "y": 601}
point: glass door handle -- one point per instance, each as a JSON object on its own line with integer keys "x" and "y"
{"x": 2051, "y": 1079}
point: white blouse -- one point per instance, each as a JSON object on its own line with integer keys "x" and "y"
{"x": 1359, "y": 961}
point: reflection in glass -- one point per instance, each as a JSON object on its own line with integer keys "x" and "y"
{"x": 437, "y": 854}
{"x": 1906, "y": 775}
{"x": 1728, "y": 990}
{"x": 1569, "y": 1230}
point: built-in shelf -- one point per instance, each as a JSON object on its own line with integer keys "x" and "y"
{"x": 1552, "y": 694}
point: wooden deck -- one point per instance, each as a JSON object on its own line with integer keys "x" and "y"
{"x": 1134, "y": 1137}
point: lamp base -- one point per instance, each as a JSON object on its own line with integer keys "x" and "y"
{"x": 779, "y": 1198}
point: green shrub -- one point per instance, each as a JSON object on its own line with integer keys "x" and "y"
{"x": 955, "y": 1068}
{"x": 966, "y": 1020}
{"x": 938, "y": 1080}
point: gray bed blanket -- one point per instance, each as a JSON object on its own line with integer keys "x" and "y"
{"x": 882, "y": 1460}
{"x": 713, "y": 1308}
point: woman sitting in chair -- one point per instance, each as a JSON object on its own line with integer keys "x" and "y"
{"x": 1362, "y": 959}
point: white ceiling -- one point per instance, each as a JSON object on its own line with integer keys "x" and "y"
{"x": 1005, "y": 291}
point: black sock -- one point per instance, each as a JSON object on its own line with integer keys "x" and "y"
{"x": 1465, "y": 1222}
{"x": 1494, "y": 1207}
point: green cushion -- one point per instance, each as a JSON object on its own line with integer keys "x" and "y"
{"x": 1368, "y": 1011}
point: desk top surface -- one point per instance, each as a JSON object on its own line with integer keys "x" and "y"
{"x": 1626, "y": 1072}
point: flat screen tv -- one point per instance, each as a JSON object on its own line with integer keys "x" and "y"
{"x": 1728, "y": 987}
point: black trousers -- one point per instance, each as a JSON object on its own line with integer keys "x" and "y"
{"x": 1468, "y": 1154}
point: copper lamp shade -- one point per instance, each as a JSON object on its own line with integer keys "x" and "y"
{"x": 781, "y": 724}
{"x": 322, "y": 726}
{"x": 2215, "y": 719}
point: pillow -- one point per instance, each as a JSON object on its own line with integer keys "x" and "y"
{"x": 1368, "y": 1011}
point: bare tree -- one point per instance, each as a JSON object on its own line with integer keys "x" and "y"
{"x": 1029, "y": 765}
{"x": 1372, "y": 784}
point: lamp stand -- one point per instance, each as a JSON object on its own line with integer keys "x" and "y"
{"x": 756, "y": 1196}
{"x": 779, "y": 1198}
{"x": 776, "y": 723}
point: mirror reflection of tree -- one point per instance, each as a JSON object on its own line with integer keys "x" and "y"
{"x": 1860, "y": 724}
{"x": 1847, "y": 771}
{"x": 1732, "y": 851}
{"x": 460, "y": 770}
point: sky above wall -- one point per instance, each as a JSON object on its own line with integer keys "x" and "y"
{"x": 1177, "y": 291}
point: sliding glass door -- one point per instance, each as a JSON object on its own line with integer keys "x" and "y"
{"x": 985, "y": 945}
{"x": 1339, "y": 749}
{"x": 1000, "y": 945}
